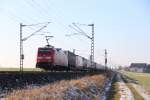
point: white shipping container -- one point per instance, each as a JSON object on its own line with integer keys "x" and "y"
{"x": 79, "y": 62}
{"x": 60, "y": 58}
{"x": 88, "y": 64}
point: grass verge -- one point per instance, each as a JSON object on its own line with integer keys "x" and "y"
{"x": 143, "y": 79}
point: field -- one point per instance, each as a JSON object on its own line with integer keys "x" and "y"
{"x": 143, "y": 79}
{"x": 18, "y": 69}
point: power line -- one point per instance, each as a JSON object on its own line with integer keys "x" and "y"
{"x": 25, "y": 13}
{"x": 15, "y": 17}
{"x": 59, "y": 22}
{"x": 18, "y": 19}
{"x": 35, "y": 31}
{"x": 46, "y": 13}
{"x": 81, "y": 31}
{"x": 31, "y": 12}
{"x": 58, "y": 14}
{"x": 36, "y": 8}
{"x": 41, "y": 8}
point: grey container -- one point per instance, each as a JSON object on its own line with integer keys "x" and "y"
{"x": 85, "y": 61}
{"x": 79, "y": 62}
{"x": 71, "y": 59}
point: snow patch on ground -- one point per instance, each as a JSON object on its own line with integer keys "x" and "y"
{"x": 125, "y": 92}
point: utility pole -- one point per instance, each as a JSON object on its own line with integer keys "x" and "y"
{"x": 92, "y": 45}
{"x": 105, "y": 59}
{"x": 24, "y": 39}
{"x": 21, "y": 49}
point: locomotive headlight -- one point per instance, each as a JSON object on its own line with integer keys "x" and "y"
{"x": 40, "y": 57}
{"x": 48, "y": 57}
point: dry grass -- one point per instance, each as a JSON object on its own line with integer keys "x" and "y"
{"x": 114, "y": 93}
{"x": 52, "y": 91}
{"x": 117, "y": 95}
{"x": 89, "y": 86}
{"x": 57, "y": 90}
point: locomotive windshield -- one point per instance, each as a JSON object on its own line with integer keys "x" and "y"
{"x": 44, "y": 51}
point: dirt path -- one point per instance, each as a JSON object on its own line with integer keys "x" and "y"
{"x": 125, "y": 92}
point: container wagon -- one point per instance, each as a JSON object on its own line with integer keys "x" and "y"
{"x": 71, "y": 60}
{"x": 79, "y": 62}
{"x": 85, "y": 63}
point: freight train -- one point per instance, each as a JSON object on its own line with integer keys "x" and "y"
{"x": 50, "y": 58}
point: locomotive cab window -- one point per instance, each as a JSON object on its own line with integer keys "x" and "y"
{"x": 44, "y": 51}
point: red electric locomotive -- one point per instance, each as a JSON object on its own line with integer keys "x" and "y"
{"x": 51, "y": 58}
{"x": 45, "y": 57}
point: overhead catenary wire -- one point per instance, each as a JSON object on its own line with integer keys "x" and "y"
{"x": 58, "y": 12}
{"x": 37, "y": 9}
{"x": 17, "y": 18}
{"x": 47, "y": 14}
{"x": 35, "y": 6}
{"x": 58, "y": 15}
{"x": 35, "y": 31}
{"x": 37, "y": 24}
{"x": 42, "y": 11}
{"x": 74, "y": 28}
{"x": 78, "y": 28}
{"x": 81, "y": 31}
{"x": 26, "y": 14}
{"x": 14, "y": 17}
{"x": 30, "y": 13}
{"x": 56, "y": 21}
{"x": 41, "y": 8}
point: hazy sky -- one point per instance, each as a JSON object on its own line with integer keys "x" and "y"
{"x": 121, "y": 26}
